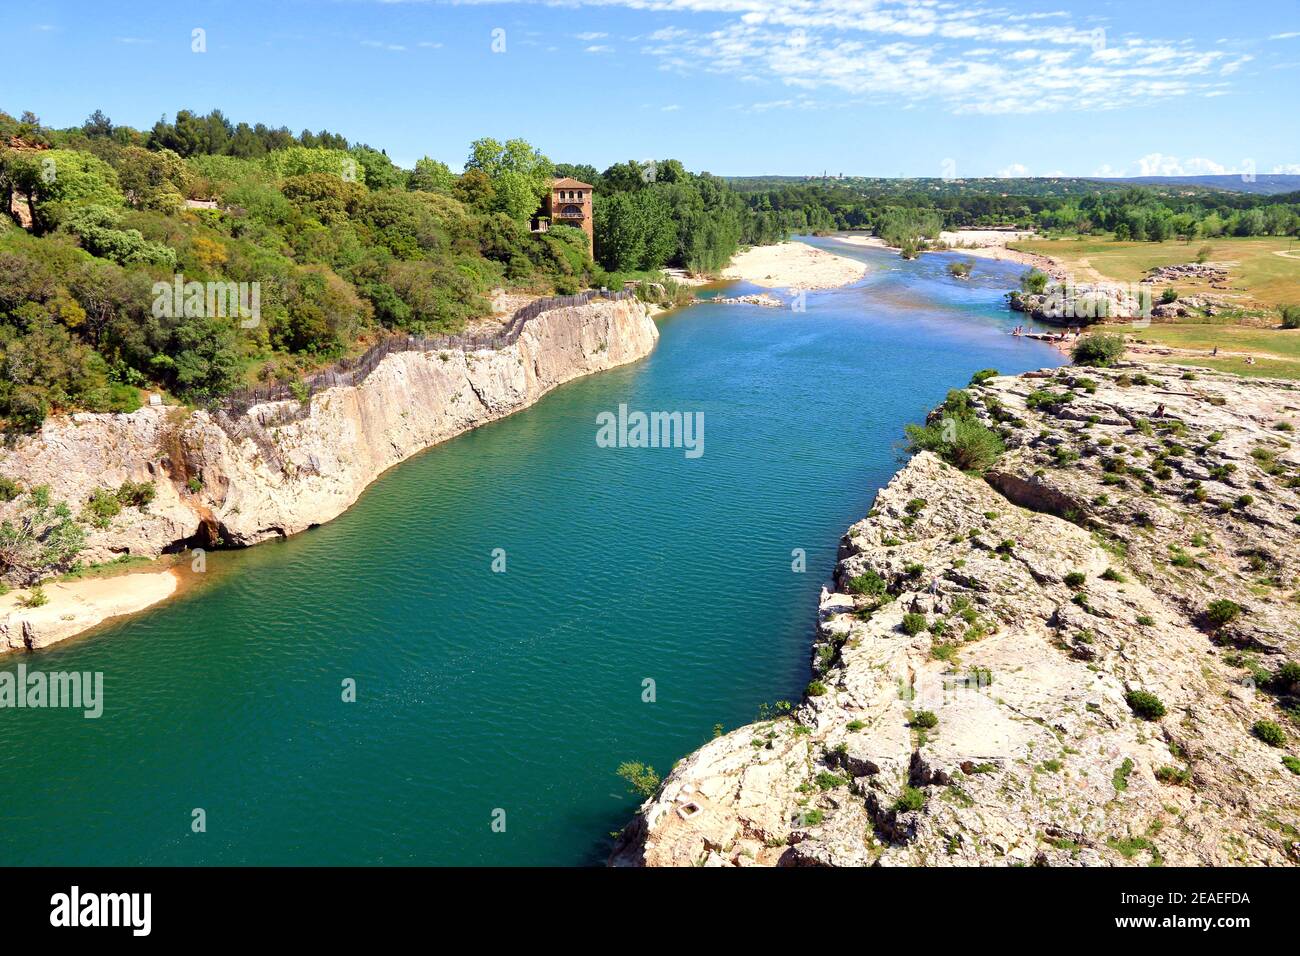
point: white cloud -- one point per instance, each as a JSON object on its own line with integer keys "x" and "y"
{"x": 1285, "y": 36}
{"x": 1290, "y": 169}
{"x": 670, "y": 108}
{"x": 908, "y": 51}
{"x": 599, "y": 48}
{"x": 378, "y": 45}
{"x": 588, "y": 37}
{"x": 1028, "y": 80}
{"x": 1014, "y": 171}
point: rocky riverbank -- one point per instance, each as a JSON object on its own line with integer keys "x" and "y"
{"x": 286, "y": 466}
{"x": 1085, "y": 657}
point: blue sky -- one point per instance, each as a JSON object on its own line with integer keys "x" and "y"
{"x": 867, "y": 87}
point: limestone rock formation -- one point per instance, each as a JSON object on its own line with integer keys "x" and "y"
{"x": 1030, "y": 667}
{"x": 284, "y": 467}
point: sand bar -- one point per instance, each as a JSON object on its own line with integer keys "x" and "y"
{"x": 78, "y": 605}
{"x": 794, "y": 265}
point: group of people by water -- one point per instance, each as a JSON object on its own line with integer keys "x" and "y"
{"x": 1068, "y": 335}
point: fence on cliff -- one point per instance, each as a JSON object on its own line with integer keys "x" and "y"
{"x": 354, "y": 371}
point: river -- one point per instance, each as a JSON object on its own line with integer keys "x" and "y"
{"x": 509, "y": 698}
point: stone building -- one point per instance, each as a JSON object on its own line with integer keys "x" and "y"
{"x": 567, "y": 204}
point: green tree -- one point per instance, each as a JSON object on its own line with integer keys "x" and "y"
{"x": 641, "y": 778}
{"x": 153, "y": 179}
{"x": 300, "y": 160}
{"x": 380, "y": 171}
{"x": 42, "y": 536}
{"x": 56, "y": 180}
{"x": 430, "y": 175}
{"x": 520, "y": 175}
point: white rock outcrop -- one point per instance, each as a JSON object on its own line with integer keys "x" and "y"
{"x": 975, "y": 665}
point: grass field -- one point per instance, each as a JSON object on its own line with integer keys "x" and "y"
{"x": 1259, "y": 280}
{"x": 1276, "y": 351}
{"x": 1257, "y": 276}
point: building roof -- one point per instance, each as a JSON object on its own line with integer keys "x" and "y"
{"x": 568, "y": 183}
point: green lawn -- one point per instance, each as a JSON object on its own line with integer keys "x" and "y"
{"x": 1257, "y": 276}
{"x": 1277, "y": 350}
{"x": 1259, "y": 280}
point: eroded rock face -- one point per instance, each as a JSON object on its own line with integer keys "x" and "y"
{"x": 280, "y": 470}
{"x": 1022, "y": 612}
{"x": 1071, "y": 304}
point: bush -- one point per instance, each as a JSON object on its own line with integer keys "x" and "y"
{"x": 136, "y": 494}
{"x": 925, "y": 719}
{"x": 913, "y": 624}
{"x": 1269, "y": 732}
{"x": 113, "y": 397}
{"x": 1099, "y": 349}
{"x": 1290, "y": 316}
{"x": 868, "y": 582}
{"x": 1145, "y": 705}
{"x": 101, "y": 509}
{"x": 1177, "y": 776}
{"x": 961, "y": 442}
{"x": 40, "y": 537}
{"x": 1223, "y": 612}
{"x": 1291, "y": 763}
{"x": 826, "y": 780}
{"x": 1075, "y": 579}
{"x": 912, "y": 798}
{"x": 1119, "y": 779}
{"x": 641, "y": 778}
{"x": 816, "y": 689}
{"x": 1034, "y": 281}
{"x": 983, "y": 375}
{"x": 36, "y": 597}
{"x": 1286, "y": 676}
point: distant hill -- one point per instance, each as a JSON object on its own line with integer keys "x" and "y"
{"x": 936, "y": 186}
{"x": 1267, "y": 184}
{"x": 1059, "y": 186}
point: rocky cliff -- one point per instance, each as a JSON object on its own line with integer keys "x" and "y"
{"x": 286, "y": 466}
{"x": 1085, "y": 657}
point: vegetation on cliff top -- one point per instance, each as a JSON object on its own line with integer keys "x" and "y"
{"x": 343, "y": 245}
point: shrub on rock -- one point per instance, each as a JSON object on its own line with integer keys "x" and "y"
{"x": 868, "y": 582}
{"x": 1269, "y": 732}
{"x": 1144, "y": 704}
{"x": 1223, "y": 612}
{"x": 1099, "y": 349}
{"x": 912, "y": 798}
{"x": 961, "y": 442}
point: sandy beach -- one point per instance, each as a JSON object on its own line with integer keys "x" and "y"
{"x": 76, "y": 606}
{"x": 794, "y": 265}
{"x": 978, "y": 244}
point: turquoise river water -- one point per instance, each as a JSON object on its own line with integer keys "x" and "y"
{"x": 522, "y": 691}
